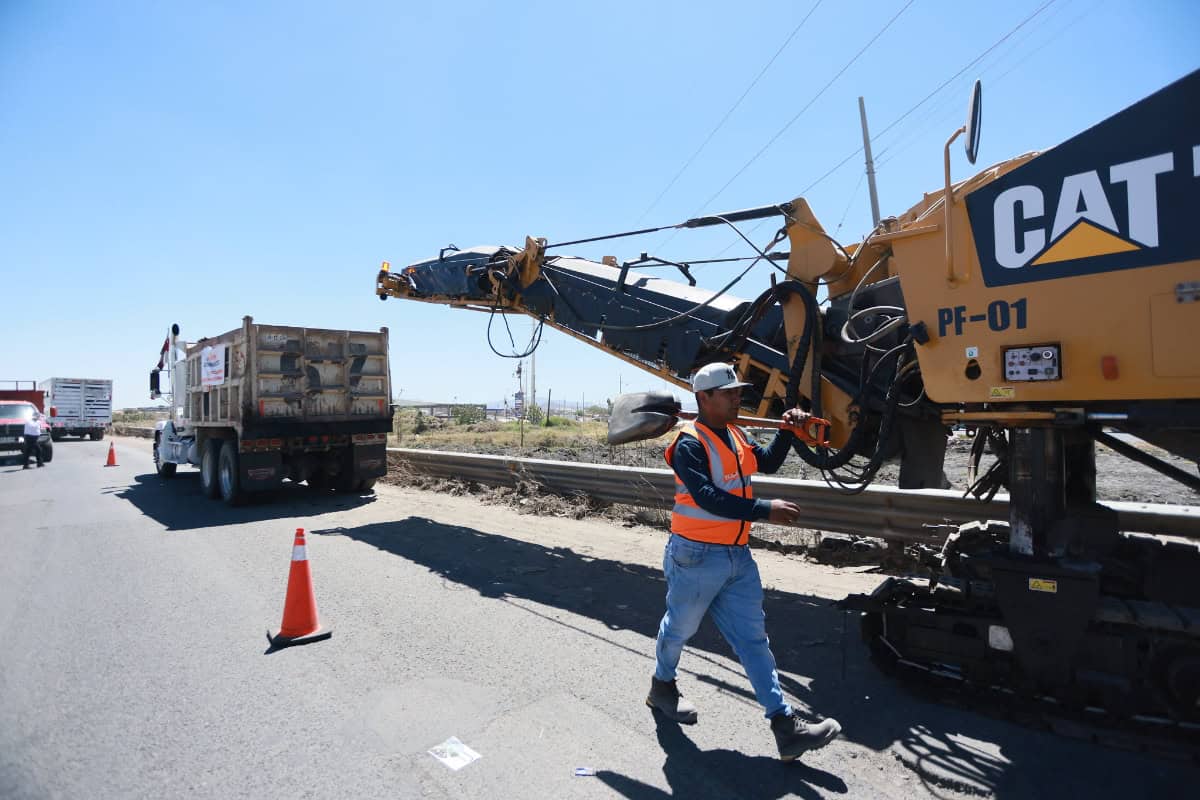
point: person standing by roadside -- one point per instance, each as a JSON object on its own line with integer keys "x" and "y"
{"x": 708, "y": 564}
{"x": 33, "y": 432}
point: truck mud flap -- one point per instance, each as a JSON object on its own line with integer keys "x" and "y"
{"x": 369, "y": 460}
{"x": 261, "y": 471}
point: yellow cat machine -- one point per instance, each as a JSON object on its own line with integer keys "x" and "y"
{"x": 1049, "y": 302}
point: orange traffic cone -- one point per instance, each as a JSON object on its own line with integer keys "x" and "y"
{"x": 300, "y": 625}
{"x": 112, "y": 455}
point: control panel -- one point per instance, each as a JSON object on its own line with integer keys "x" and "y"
{"x": 1040, "y": 363}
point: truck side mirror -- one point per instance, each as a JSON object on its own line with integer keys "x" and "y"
{"x": 974, "y": 117}
{"x": 54, "y": 411}
{"x": 155, "y": 393}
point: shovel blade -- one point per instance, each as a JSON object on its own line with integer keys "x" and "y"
{"x": 642, "y": 415}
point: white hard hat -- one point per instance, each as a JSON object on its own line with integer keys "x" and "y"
{"x": 716, "y": 376}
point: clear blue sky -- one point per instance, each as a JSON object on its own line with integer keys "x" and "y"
{"x": 196, "y": 162}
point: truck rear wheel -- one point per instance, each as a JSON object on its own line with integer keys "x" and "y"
{"x": 229, "y": 477}
{"x": 97, "y": 435}
{"x": 208, "y": 468}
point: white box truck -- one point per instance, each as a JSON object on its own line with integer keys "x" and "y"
{"x": 78, "y": 406}
{"x": 261, "y": 404}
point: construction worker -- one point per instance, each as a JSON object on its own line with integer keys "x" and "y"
{"x": 33, "y": 432}
{"x": 708, "y": 565}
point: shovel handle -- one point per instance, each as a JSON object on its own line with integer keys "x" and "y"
{"x": 814, "y": 431}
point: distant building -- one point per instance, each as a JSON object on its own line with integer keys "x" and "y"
{"x": 442, "y": 410}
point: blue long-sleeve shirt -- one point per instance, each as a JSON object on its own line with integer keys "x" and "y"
{"x": 690, "y": 463}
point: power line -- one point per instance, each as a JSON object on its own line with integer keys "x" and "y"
{"x": 970, "y": 64}
{"x": 792, "y": 121}
{"x": 725, "y": 118}
{"x": 903, "y": 116}
{"x": 808, "y": 105}
{"x": 885, "y": 129}
{"x": 853, "y": 197}
{"x": 896, "y": 147}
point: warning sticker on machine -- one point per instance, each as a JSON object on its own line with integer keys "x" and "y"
{"x": 1043, "y": 585}
{"x": 1002, "y": 393}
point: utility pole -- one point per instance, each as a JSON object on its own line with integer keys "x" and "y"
{"x": 862, "y": 113}
{"x": 533, "y": 375}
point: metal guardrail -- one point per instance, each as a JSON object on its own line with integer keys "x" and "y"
{"x": 880, "y": 511}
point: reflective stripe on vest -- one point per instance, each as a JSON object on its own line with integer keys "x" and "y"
{"x": 730, "y": 471}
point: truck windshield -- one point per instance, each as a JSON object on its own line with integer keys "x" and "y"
{"x": 16, "y": 410}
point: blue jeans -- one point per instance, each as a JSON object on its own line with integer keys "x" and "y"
{"x": 723, "y": 580}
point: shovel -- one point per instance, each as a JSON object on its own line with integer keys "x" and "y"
{"x": 648, "y": 415}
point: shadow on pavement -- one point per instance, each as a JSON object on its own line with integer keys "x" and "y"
{"x": 823, "y": 665}
{"x": 179, "y": 505}
{"x": 692, "y": 772}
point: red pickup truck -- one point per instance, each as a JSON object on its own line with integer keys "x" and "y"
{"x": 16, "y": 408}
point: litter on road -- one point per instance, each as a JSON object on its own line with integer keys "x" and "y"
{"x": 453, "y": 753}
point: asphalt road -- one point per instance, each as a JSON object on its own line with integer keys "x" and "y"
{"x": 134, "y": 663}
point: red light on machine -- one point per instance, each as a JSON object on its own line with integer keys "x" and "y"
{"x": 1108, "y": 368}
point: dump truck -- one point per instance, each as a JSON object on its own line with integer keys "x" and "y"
{"x": 261, "y": 404}
{"x": 78, "y": 406}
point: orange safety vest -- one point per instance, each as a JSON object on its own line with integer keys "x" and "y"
{"x": 731, "y": 471}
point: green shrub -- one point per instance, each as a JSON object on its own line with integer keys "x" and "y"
{"x": 534, "y": 415}
{"x": 467, "y": 415}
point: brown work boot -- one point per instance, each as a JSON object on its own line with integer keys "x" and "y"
{"x": 665, "y": 697}
{"x": 794, "y": 736}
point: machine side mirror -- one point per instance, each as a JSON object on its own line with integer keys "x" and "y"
{"x": 974, "y": 116}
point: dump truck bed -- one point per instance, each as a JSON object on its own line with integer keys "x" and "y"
{"x": 280, "y": 375}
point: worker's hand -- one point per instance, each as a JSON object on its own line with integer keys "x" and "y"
{"x": 783, "y": 512}
{"x": 811, "y": 430}
{"x": 795, "y": 417}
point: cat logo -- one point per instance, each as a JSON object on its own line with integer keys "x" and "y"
{"x": 1083, "y": 222}
{"x": 1121, "y": 195}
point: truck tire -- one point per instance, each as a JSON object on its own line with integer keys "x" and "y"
{"x": 97, "y": 435}
{"x": 48, "y": 452}
{"x": 366, "y": 485}
{"x": 229, "y": 476}
{"x": 209, "y": 484}
{"x": 164, "y": 469}
{"x": 317, "y": 481}
{"x": 55, "y": 436}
